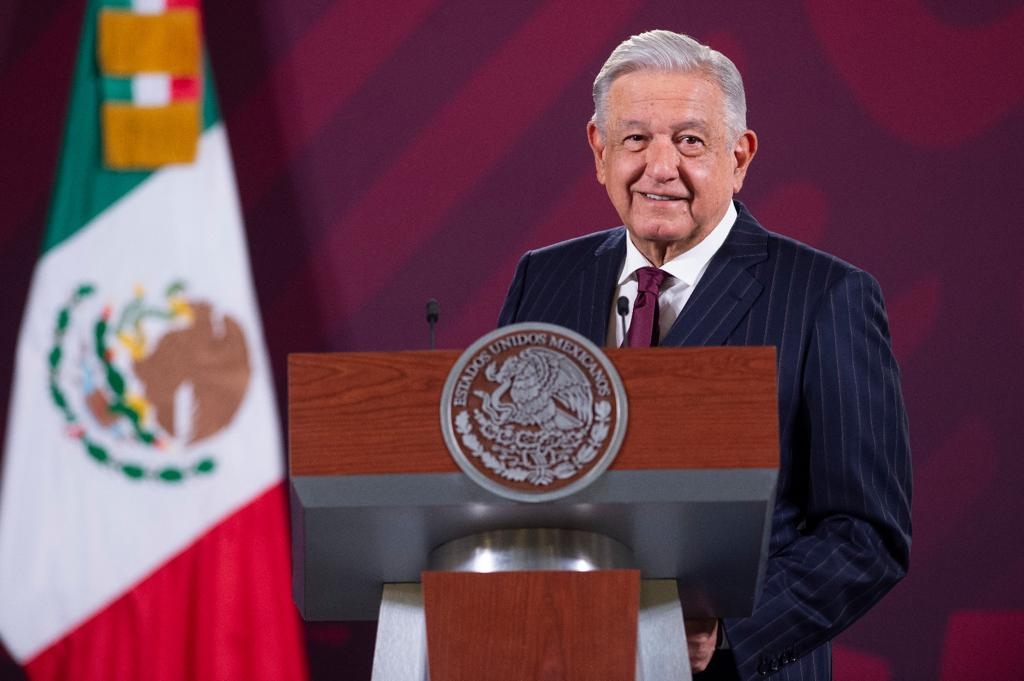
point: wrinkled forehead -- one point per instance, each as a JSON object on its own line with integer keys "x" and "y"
{"x": 648, "y": 97}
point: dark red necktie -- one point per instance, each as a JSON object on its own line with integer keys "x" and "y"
{"x": 643, "y": 325}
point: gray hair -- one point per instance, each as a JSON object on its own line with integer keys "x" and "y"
{"x": 667, "y": 51}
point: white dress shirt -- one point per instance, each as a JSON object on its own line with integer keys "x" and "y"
{"x": 684, "y": 271}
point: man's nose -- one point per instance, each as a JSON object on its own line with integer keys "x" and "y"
{"x": 662, "y": 160}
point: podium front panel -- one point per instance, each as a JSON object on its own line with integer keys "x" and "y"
{"x": 374, "y": 489}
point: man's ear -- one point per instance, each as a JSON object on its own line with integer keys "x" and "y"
{"x": 743, "y": 152}
{"x": 597, "y": 145}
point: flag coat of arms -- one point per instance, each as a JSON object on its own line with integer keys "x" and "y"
{"x": 143, "y": 530}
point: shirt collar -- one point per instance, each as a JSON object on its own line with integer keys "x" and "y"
{"x": 685, "y": 267}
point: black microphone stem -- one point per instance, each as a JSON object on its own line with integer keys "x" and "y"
{"x": 433, "y": 312}
{"x": 622, "y": 308}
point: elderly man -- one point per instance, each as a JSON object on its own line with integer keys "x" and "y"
{"x": 671, "y": 147}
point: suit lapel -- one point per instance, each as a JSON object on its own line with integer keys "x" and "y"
{"x": 726, "y": 291}
{"x": 596, "y": 282}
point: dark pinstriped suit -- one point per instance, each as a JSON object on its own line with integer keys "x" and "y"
{"x": 841, "y": 525}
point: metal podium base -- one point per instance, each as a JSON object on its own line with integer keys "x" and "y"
{"x": 401, "y": 649}
{"x": 531, "y": 549}
{"x": 400, "y": 653}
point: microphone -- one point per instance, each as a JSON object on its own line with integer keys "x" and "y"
{"x": 622, "y": 309}
{"x": 433, "y": 312}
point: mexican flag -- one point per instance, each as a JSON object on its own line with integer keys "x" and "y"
{"x": 143, "y": 528}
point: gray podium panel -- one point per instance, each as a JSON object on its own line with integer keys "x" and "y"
{"x": 708, "y": 529}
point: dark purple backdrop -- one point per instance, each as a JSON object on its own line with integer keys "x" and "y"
{"x": 377, "y": 145}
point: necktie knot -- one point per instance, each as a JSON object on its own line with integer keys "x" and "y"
{"x": 649, "y": 279}
{"x": 643, "y": 327}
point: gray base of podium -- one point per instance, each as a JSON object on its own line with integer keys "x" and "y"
{"x": 661, "y": 655}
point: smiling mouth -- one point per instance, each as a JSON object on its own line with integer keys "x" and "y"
{"x": 660, "y": 197}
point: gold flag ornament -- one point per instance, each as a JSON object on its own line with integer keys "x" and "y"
{"x": 148, "y": 118}
{"x": 131, "y": 43}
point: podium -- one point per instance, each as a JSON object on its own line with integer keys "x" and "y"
{"x": 380, "y": 506}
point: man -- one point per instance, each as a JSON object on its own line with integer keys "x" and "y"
{"x": 671, "y": 147}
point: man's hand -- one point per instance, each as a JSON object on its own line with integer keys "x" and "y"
{"x": 701, "y": 639}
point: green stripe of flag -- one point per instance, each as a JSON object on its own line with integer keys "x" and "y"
{"x": 116, "y": 89}
{"x": 84, "y": 188}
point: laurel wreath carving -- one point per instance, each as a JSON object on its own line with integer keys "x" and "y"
{"x": 546, "y": 469}
{"x": 115, "y": 382}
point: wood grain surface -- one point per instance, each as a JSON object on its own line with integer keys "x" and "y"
{"x": 547, "y": 626}
{"x": 379, "y": 412}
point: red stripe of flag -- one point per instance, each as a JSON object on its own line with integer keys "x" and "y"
{"x": 184, "y": 88}
{"x": 197, "y": 616}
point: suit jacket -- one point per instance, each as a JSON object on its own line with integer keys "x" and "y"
{"x": 841, "y": 524}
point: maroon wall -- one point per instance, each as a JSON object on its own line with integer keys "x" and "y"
{"x": 388, "y": 153}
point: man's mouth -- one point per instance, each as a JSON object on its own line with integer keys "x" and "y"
{"x": 659, "y": 197}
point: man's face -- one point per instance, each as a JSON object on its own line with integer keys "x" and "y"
{"x": 667, "y": 160}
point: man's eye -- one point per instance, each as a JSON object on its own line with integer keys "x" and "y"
{"x": 634, "y": 139}
{"x": 691, "y": 145}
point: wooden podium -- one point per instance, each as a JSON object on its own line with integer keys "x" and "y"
{"x": 375, "y": 493}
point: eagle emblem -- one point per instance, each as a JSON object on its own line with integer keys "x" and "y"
{"x": 144, "y": 384}
{"x": 531, "y": 409}
{"x": 543, "y": 388}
